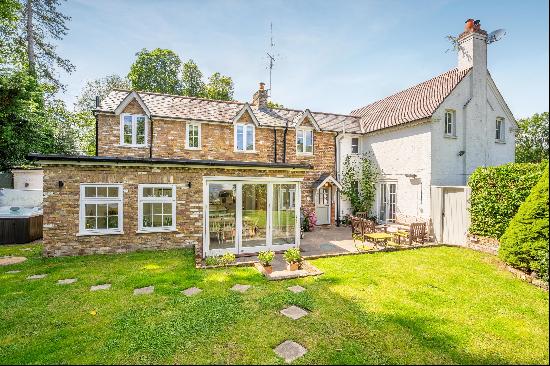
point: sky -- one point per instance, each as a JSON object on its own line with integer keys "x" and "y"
{"x": 332, "y": 56}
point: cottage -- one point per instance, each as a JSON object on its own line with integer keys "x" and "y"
{"x": 173, "y": 171}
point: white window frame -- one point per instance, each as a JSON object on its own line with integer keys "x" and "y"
{"x": 452, "y": 113}
{"x": 501, "y": 129}
{"x": 245, "y": 132}
{"x": 103, "y": 200}
{"x": 358, "y": 146}
{"x": 194, "y": 124}
{"x": 303, "y": 130}
{"x": 141, "y": 200}
{"x": 134, "y": 130}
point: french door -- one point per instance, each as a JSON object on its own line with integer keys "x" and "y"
{"x": 249, "y": 216}
{"x": 387, "y": 202}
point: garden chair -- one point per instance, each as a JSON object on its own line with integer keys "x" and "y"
{"x": 356, "y": 229}
{"x": 417, "y": 233}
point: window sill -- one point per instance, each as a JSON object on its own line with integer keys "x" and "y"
{"x": 99, "y": 233}
{"x": 305, "y": 154}
{"x": 132, "y": 146}
{"x": 193, "y": 148}
{"x": 500, "y": 142}
{"x": 246, "y": 151}
{"x": 450, "y": 137}
{"x": 156, "y": 231}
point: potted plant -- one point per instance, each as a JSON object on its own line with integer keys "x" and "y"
{"x": 265, "y": 258}
{"x": 293, "y": 258}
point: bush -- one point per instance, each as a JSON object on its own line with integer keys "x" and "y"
{"x": 525, "y": 243}
{"x": 228, "y": 258}
{"x": 293, "y": 255}
{"x": 497, "y": 193}
{"x": 310, "y": 219}
{"x": 266, "y": 257}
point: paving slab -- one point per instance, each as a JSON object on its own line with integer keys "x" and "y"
{"x": 36, "y": 277}
{"x": 144, "y": 290}
{"x": 240, "y": 288}
{"x": 66, "y": 281}
{"x": 105, "y": 286}
{"x": 191, "y": 291}
{"x": 6, "y": 261}
{"x": 294, "y": 312}
{"x": 290, "y": 350}
{"x": 13, "y": 272}
{"x": 296, "y": 289}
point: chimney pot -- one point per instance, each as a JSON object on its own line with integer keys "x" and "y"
{"x": 262, "y": 86}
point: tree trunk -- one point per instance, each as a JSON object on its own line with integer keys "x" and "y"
{"x": 30, "y": 38}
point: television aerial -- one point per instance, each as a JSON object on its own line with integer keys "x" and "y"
{"x": 496, "y": 35}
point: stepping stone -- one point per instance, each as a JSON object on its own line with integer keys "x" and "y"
{"x": 13, "y": 272}
{"x": 36, "y": 277}
{"x": 144, "y": 290}
{"x": 67, "y": 281}
{"x": 294, "y": 312}
{"x": 6, "y": 261}
{"x": 296, "y": 289}
{"x": 191, "y": 291}
{"x": 290, "y": 350}
{"x": 101, "y": 287}
{"x": 240, "y": 288}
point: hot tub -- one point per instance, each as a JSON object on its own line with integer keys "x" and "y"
{"x": 19, "y": 225}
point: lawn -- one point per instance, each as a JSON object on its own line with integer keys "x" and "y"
{"x": 434, "y": 305}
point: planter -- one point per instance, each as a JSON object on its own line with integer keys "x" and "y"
{"x": 294, "y": 266}
{"x": 268, "y": 269}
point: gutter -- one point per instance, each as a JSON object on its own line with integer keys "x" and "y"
{"x": 275, "y": 144}
{"x": 336, "y": 143}
{"x": 151, "y": 142}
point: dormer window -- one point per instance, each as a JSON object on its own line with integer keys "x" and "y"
{"x": 499, "y": 130}
{"x": 244, "y": 137}
{"x": 304, "y": 141}
{"x": 450, "y": 123}
{"x": 133, "y": 130}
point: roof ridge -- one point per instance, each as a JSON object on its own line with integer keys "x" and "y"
{"x": 409, "y": 88}
{"x": 180, "y": 96}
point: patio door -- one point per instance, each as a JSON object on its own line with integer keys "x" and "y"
{"x": 387, "y": 202}
{"x": 250, "y": 216}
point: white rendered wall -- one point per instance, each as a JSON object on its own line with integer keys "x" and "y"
{"x": 344, "y": 149}
{"x": 28, "y": 178}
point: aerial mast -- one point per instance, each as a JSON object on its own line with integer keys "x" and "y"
{"x": 271, "y": 57}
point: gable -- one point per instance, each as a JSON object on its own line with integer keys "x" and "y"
{"x": 132, "y": 97}
{"x": 500, "y": 99}
{"x": 306, "y": 119}
{"x": 246, "y": 115}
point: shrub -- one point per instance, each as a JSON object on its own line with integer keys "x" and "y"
{"x": 293, "y": 255}
{"x": 266, "y": 257}
{"x": 497, "y": 193}
{"x": 212, "y": 261}
{"x": 310, "y": 219}
{"x": 525, "y": 243}
{"x": 228, "y": 258}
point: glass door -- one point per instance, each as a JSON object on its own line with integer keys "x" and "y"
{"x": 284, "y": 216}
{"x": 222, "y": 218}
{"x": 387, "y": 202}
{"x": 254, "y": 219}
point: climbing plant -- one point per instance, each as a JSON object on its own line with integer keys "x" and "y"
{"x": 359, "y": 178}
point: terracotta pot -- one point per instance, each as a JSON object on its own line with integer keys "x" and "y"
{"x": 293, "y": 266}
{"x": 268, "y": 269}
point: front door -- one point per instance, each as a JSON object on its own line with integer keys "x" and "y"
{"x": 322, "y": 206}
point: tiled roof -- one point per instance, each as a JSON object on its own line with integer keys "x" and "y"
{"x": 412, "y": 104}
{"x": 179, "y": 107}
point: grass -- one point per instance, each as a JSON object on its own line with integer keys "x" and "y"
{"x": 434, "y": 305}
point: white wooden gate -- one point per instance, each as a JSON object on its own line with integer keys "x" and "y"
{"x": 450, "y": 215}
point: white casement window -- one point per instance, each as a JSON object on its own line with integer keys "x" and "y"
{"x": 450, "y": 123}
{"x": 193, "y": 136}
{"x": 499, "y": 130}
{"x": 304, "y": 141}
{"x": 156, "y": 207}
{"x": 133, "y": 129}
{"x": 100, "y": 209}
{"x": 355, "y": 145}
{"x": 245, "y": 137}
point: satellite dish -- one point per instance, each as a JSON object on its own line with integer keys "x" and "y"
{"x": 496, "y": 35}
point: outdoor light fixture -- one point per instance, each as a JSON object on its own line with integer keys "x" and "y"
{"x": 188, "y": 184}
{"x": 461, "y": 152}
{"x": 412, "y": 176}
{"x": 60, "y": 184}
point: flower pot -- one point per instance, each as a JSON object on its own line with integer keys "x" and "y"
{"x": 268, "y": 269}
{"x": 294, "y": 266}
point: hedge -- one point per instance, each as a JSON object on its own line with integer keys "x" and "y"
{"x": 496, "y": 194}
{"x": 524, "y": 244}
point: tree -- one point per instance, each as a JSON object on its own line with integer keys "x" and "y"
{"x": 156, "y": 71}
{"x": 219, "y": 87}
{"x": 9, "y": 17}
{"x": 101, "y": 88}
{"x": 359, "y": 178}
{"x": 532, "y": 139}
{"x": 41, "y": 20}
{"x": 191, "y": 80}
{"x": 272, "y": 105}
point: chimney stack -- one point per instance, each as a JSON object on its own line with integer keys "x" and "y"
{"x": 260, "y": 97}
{"x": 472, "y": 47}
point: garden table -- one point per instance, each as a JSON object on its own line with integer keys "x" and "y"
{"x": 379, "y": 237}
